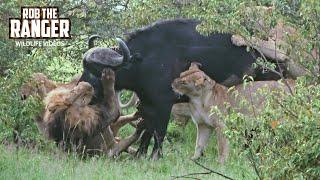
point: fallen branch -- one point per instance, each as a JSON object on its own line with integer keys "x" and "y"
{"x": 212, "y": 171}
{"x": 188, "y": 176}
{"x": 191, "y": 174}
{"x": 209, "y": 171}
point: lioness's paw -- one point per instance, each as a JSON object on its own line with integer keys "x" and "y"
{"x": 195, "y": 157}
{"x": 131, "y": 150}
{"x": 107, "y": 75}
{"x": 221, "y": 160}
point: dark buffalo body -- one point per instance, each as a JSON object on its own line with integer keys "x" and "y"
{"x": 165, "y": 49}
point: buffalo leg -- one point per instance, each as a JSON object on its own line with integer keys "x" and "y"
{"x": 157, "y": 148}
{"x": 144, "y": 144}
{"x": 161, "y": 121}
{"x": 158, "y": 140}
{"x": 156, "y": 117}
{"x": 147, "y": 112}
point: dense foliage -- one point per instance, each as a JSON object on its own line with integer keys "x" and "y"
{"x": 286, "y": 143}
{"x": 282, "y": 141}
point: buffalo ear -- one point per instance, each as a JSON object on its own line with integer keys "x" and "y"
{"x": 128, "y": 66}
{"x": 137, "y": 57}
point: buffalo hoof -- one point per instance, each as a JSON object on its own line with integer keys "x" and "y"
{"x": 132, "y": 151}
{"x": 156, "y": 154}
{"x": 221, "y": 160}
{"x": 114, "y": 152}
{"x": 193, "y": 158}
{"x": 141, "y": 153}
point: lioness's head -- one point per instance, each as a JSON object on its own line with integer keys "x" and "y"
{"x": 192, "y": 82}
{"x": 38, "y": 85}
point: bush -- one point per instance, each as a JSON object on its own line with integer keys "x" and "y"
{"x": 17, "y": 116}
{"x": 285, "y": 137}
{"x": 284, "y": 141}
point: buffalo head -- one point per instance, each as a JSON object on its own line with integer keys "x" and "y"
{"x": 96, "y": 59}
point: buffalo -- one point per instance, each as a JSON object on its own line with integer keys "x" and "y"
{"x": 150, "y": 59}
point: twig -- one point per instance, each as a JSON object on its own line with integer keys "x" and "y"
{"x": 286, "y": 160}
{"x": 251, "y": 159}
{"x": 188, "y": 176}
{"x": 71, "y": 9}
{"x": 126, "y": 5}
{"x": 317, "y": 36}
{"x": 209, "y": 171}
{"x": 286, "y": 109}
{"x": 274, "y": 71}
{"x": 212, "y": 171}
{"x": 251, "y": 102}
{"x": 282, "y": 77}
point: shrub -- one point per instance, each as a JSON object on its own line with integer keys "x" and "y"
{"x": 284, "y": 141}
{"x": 17, "y": 116}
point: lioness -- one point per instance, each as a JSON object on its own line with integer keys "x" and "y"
{"x": 280, "y": 45}
{"x": 40, "y": 85}
{"x": 205, "y": 93}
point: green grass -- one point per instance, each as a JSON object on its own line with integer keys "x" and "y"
{"x": 26, "y": 163}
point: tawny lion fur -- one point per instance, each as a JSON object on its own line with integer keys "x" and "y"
{"x": 40, "y": 85}
{"x": 276, "y": 45}
{"x": 71, "y": 121}
{"x": 205, "y": 93}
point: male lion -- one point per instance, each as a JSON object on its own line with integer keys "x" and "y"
{"x": 69, "y": 120}
{"x": 40, "y": 85}
{"x": 205, "y": 93}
